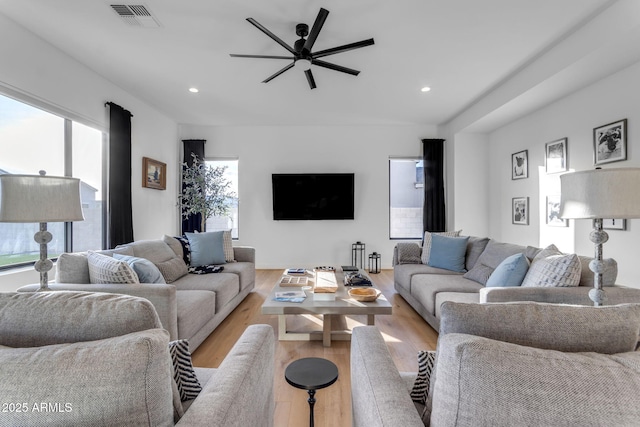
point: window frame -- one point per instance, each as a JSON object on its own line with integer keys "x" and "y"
{"x": 68, "y": 119}
{"x": 417, "y": 185}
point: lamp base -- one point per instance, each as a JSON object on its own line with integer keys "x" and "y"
{"x": 598, "y": 236}
{"x": 44, "y": 264}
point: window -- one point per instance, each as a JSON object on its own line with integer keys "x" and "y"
{"x": 32, "y": 139}
{"x": 406, "y": 198}
{"x": 230, "y": 222}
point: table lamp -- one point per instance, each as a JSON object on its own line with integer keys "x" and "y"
{"x": 597, "y": 194}
{"x": 42, "y": 199}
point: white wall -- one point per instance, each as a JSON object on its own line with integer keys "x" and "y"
{"x": 572, "y": 117}
{"x": 33, "y": 69}
{"x": 363, "y": 150}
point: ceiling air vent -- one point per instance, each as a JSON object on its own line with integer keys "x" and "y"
{"x": 137, "y": 15}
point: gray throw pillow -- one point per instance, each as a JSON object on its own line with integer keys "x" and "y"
{"x": 106, "y": 269}
{"x": 551, "y": 268}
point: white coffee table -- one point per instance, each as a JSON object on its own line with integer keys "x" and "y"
{"x": 331, "y": 311}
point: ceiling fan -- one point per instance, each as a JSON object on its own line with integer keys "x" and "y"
{"x": 301, "y": 52}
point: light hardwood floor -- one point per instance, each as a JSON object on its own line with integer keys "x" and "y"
{"x": 405, "y": 333}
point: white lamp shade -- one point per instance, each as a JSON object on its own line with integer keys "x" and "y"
{"x": 601, "y": 193}
{"x": 39, "y": 198}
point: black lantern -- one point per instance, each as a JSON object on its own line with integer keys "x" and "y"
{"x": 357, "y": 254}
{"x": 374, "y": 263}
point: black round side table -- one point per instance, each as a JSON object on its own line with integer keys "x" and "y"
{"x": 311, "y": 374}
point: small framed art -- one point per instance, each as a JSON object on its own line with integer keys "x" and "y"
{"x": 614, "y": 224}
{"x": 553, "y": 212}
{"x": 154, "y": 174}
{"x": 610, "y": 142}
{"x": 520, "y": 211}
{"x": 556, "y": 156}
{"x": 520, "y": 165}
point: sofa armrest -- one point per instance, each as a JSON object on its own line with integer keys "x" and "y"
{"x": 240, "y": 393}
{"x": 162, "y": 296}
{"x": 379, "y": 396}
{"x": 578, "y": 295}
{"x": 244, "y": 254}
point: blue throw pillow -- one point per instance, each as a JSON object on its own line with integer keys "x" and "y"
{"x": 510, "y": 272}
{"x": 206, "y": 248}
{"x": 448, "y": 252}
{"x": 146, "y": 270}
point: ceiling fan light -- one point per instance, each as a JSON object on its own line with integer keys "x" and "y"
{"x": 303, "y": 64}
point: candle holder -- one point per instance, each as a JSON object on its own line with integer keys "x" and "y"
{"x": 357, "y": 254}
{"x": 374, "y": 263}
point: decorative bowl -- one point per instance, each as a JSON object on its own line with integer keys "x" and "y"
{"x": 364, "y": 294}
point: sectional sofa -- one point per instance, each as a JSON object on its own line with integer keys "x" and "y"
{"x": 190, "y": 306}
{"x": 426, "y": 287}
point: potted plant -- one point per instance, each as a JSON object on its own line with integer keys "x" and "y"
{"x": 205, "y": 190}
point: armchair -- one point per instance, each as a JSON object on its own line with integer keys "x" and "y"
{"x": 79, "y": 358}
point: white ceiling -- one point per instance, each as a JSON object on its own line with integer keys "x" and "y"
{"x": 460, "y": 48}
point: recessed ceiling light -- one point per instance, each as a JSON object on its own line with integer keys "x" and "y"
{"x": 193, "y": 90}
{"x": 425, "y": 89}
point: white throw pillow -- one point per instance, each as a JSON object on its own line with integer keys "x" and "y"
{"x": 105, "y": 269}
{"x": 551, "y": 268}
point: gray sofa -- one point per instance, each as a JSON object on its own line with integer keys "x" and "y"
{"x": 514, "y": 364}
{"x": 191, "y": 306}
{"x": 425, "y": 288}
{"x": 97, "y": 359}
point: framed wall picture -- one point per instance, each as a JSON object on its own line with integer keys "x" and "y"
{"x": 520, "y": 165}
{"x": 610, "y": 142}
{"x": 556, "y": 156}
{"x": 520, "y": 210}
{"x": 614, "y": 224}
{"x": 154, "y": 174}
{"x": 553, "y": 212}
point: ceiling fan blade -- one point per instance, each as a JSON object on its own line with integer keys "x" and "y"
{"x": 310, "y": 79}
{"x": 343, "y": 48}
{"x": 315, "y": 30}
{"x": 270, "y": 34}
{"x": 235, "y": 55}
{"x": 268, "y": 79}
{"x": 335, "y": 67}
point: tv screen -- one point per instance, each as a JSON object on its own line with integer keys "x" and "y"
{"x": 313, "y": 196}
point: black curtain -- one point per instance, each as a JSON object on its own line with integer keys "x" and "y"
{"x": 434, "y": 214}
{"x": 119, "y": 206}
{"x": 192, "y": 146}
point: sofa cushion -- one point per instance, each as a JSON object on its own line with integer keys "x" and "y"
{"x": 426, "y": 243}
{"x": 609, "y": 275}
{"x": 531, "y": 386}
{"x": 172, "y": 269}
{"x": 206, "y": 248}
{"x": 146, "y": 270}
{"x": 174, "y": 244}
{"x": 494, "y": 253}
{"x": 448, "y": 252}
{"x": 106, "y": 269}
{"x": 510, "y": 272}
{"x": 475, "y": 247}
{"x": 551, "y": 268}
{"x": 195, "y": 309}
{"x": 225, "y": 285}
{"x": 425, "y": 287}
{"x": 607, "y": 329}
{"x": 244, "y": 270}
{"x": 125, "y": 380}
{"x": 183, "y": 373}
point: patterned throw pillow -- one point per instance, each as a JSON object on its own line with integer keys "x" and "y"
{"x": 420, "y": 391}
{"x": 426, "y": 243}
{"x": 227, "y": 245}
{"x": 551, "y": 268}
{"x": 172, "y": 269}
{"x": 183, "y": 373}
{"x": 105, "y": 269}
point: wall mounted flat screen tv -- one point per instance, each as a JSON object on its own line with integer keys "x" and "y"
{"x": 313, "y": 196}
